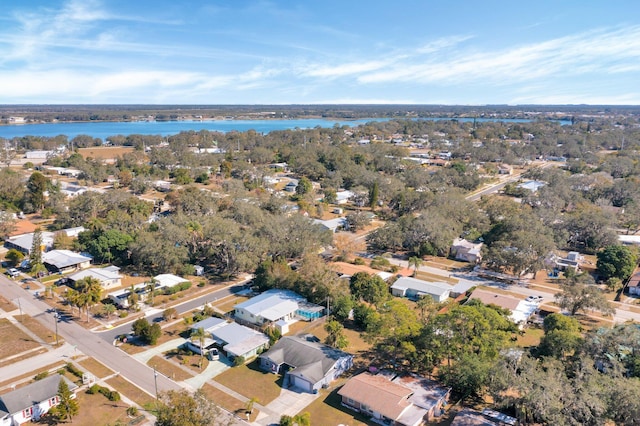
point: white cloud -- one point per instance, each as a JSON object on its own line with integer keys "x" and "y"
{"x": 593, "y": 51}
{"x": 344, "y": 69}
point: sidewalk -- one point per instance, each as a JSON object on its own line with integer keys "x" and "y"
{"x": 290, "y": 402}
{"x": 145, "y": 356}
{"x": 61, "y": 355}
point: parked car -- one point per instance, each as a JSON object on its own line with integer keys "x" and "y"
{"x": 534, "y": 299}
{"x": 13, "y": 272}
{"x": 213, "y": 354}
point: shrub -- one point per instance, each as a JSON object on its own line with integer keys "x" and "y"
{"x": 73, "y": 370}
{"x": 123, "y": 314}
{"x": 41, "y": 375}
{"x": 358, "y": 261}
{"x": 239, "y": 360}
{"x": 108, "y": 393}
{"x": 132, "y": 411}
{"x": 169, "y": 313}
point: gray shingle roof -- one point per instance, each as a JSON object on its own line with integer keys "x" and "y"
{"x": 27, "y": 396}
{"x": 312, "y": 359}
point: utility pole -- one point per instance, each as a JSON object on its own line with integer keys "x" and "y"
{"x": 55, "y": 318}
{"x": 155, "y": 381}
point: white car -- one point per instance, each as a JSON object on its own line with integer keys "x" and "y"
{"x": 537, "y": 299}
{"x": 13, "y": 272}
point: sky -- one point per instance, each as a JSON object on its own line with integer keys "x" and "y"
{"x": 209, "y": 52}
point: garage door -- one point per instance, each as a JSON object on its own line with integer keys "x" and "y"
{"x": 301, "y": 383}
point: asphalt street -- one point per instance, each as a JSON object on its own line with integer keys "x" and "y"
{"x": 190, "y": 305}
{"x": 85, "y": 341}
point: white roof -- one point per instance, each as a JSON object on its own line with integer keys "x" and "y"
{"x": 169, "y": 280}
{"x": 435, "y": 288}
{"x": 25, "y": 241}
{"x": 101, "y": 274}
{"x": 629, "y": 239}
{"x": 523, "y": 311}
{"x": 331, "y": 224}
{"x": 238, "y": 338}
{"x": 272, "y": 304}
{"x": 63, "y": 258}
{"x": 344, "y": 195}
{"x": 209, "y": 324}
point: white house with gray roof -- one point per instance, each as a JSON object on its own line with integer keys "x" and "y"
{"x": 32, "y": 401}
{"x": 414, "y": 288}
{"x": 65, "y": 260}
{"x": 234, "y": 339}
{"x": 277, "y": 306}
{"x": 108, "y": 277}
{"x": 307, "y": 365}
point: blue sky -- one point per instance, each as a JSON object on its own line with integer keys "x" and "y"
{"x": 320, "y": 52}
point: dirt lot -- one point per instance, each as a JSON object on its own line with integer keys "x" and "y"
{"x": 105, "y": 152}
{"x": 14, "y": 340}
{"x": 38, "y": 329}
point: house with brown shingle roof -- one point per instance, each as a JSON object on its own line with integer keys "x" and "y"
{"x": 394, "y": 400}
{"x": 520, "y": 309}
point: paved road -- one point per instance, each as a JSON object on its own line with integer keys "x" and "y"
{"x": 87, "y": 342}
{"x": 621, "y": 313}
{"x": 187, "y": 306}
{"x": 498, "y": 186}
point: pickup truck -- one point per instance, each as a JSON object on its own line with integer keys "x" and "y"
{"x": 13, "y": 272}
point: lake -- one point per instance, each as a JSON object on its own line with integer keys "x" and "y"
{"x": 103, "y": 130}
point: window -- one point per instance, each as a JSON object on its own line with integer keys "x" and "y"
{"x": 27, "y": 413}
{"x": 54, "y": 401}
{"x": 351, "y": 401}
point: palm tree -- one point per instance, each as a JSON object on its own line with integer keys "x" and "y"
{"x": 74, "y": 299}
{"x": 109, "y": 309}
{"x": 200, "y": 335}
{"x": 132, "y": 299}
{"x": 91, "y": 291}
{"x": 416, "y": 262}
{"x": 250, "y": 403}
{"x": 151, "y": 288}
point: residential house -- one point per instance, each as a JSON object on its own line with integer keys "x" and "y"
{"x": 108, "y": 277}
{"x": 278, "y": 307}
{"x": 414, "y": 288}
{"x": 65, "y": 260}
{"x": 32, "y": 401}
{"x": 291, "y": 186}
{"x": 234, "y": 339}
{"x": 167, "y": 281}
{"x": 38, "y": 155}
{"x": 121, "y": 297}
{"x": 162, "y": 185}
{"x": 24, "y": 242}
{"x": 520, "y": 309}
{"x": 633, "y": 286}
{"x": 469, "y": 417}
{"x": 505, "y": 169}
{"x": 466, "y": 251}
{"x": 332, "y": 225}
{"x": 343, "y": 197}
{"x": 629, "y": 240}
{"x": 532, "y": 185}
{"x": 572, "y": 261}
{"x": 306, "y": 365}
{"x": 395, "y": 400}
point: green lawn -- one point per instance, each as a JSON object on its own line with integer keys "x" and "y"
{"x": 265, "y": 387}
{"x": 327, "y": 410}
